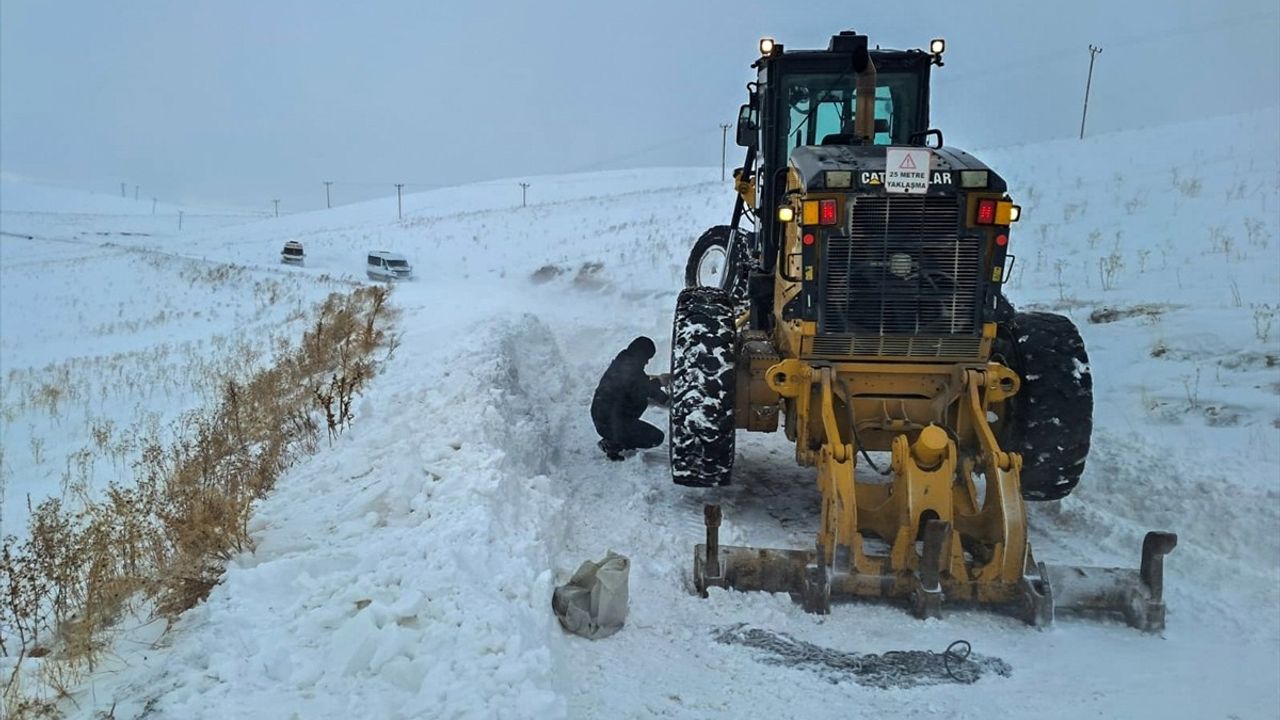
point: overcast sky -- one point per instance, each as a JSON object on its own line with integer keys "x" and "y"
{"x": 234, "y": 103}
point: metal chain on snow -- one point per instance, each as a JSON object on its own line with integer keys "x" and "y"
{"x": 894, "y": 668}
{"x": 950, "y": 653}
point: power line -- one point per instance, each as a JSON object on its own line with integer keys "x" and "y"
{"x": 384, "y": 183}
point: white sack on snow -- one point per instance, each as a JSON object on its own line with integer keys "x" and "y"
{"x": 593, "y": 603}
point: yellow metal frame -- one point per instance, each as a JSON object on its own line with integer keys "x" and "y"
{"x": 933, "y": 419}
{"x": 930, "y": 481}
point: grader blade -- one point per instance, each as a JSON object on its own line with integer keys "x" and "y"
{"x": 1136, "y": 595}
{"x": 751, "y": 569}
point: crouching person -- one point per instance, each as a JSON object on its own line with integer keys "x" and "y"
{"x": 621, "y": 398}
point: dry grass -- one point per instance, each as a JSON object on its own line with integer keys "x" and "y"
{"x": 163, "y": 541}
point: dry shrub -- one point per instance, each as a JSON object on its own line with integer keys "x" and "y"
{"x": 166, "y": 539}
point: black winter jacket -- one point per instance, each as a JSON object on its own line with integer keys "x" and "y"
{"x": 625, "y": 390}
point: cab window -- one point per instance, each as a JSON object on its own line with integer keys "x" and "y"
{"x": 822, "y": 105}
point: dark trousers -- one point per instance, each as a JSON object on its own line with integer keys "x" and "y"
{"x": 632, "y": 435}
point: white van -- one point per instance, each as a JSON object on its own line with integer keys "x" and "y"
{"x": 292, "y": 253}
{"x": 383, "y": 265}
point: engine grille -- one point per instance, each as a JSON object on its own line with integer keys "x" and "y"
{"x": 835, "y": 346}
{"x": 903, "y": 281}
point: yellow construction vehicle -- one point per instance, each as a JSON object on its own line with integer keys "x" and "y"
{"x": 857, "y": 295}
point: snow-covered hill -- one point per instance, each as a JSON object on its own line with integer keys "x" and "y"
{"x": 407, "y": 571}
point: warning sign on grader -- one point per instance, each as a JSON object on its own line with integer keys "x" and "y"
{"x": 906, "y": 171}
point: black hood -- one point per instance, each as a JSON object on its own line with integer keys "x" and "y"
{"x": 811, "y": 161}
{"x": 641, "y": 348}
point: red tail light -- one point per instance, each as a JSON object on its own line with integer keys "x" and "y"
{"x": 807, "y": 239}
{"x": 986, "y": 212}
{"x": 827, "y": 212}
{"x": 1002, "y": 240}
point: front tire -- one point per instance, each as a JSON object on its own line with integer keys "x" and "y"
{"x": 709, "y": 261}
{"x": 703, "y": 390}
{"x": 1050, "y": 420}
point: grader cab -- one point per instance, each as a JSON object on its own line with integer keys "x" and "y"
{"x": 856, "y": 296}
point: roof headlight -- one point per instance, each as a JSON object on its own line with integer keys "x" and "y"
{"x": 936, "y": 46}
{"x": 766, "y": 46}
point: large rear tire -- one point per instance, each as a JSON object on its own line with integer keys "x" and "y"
{"x": 702, "y": 390}
{"x": 1050, "y": 420}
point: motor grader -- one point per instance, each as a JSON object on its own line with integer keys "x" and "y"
{"x": 856, "y": 296}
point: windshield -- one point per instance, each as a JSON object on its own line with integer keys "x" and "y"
{"x": 822, "y": 104}
{"x": 293, "y": 251}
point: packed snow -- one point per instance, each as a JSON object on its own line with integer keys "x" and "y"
{"x": 407, "y": 570}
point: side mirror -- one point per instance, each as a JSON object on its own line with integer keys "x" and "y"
{"x": 882, "y": 125}
{"x": 747, "y": 126}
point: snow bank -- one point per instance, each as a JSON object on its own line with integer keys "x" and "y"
{"x": 405, "y": 572}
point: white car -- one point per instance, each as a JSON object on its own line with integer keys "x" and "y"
{"x": 383, "y": 265}
{"x": 292, "y": 253}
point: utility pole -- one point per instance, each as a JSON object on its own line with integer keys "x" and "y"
{"x": 179, "y": 219}
{"x": 327, "y": 183}
{"x": 1093, "y": 53}
{"x": 277, "y": 203}
{"x": 153, "y": 206}
{"x": 524, "y": 189}
{"x": 121, "y": 189}
{"x": 399, "y": 211}
{"x": 135, "y": 192}
{"x": 724, "y": 146}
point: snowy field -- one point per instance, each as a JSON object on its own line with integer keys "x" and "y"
{"x": 112, "y": 325}
{"x": 407, "y": 571}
